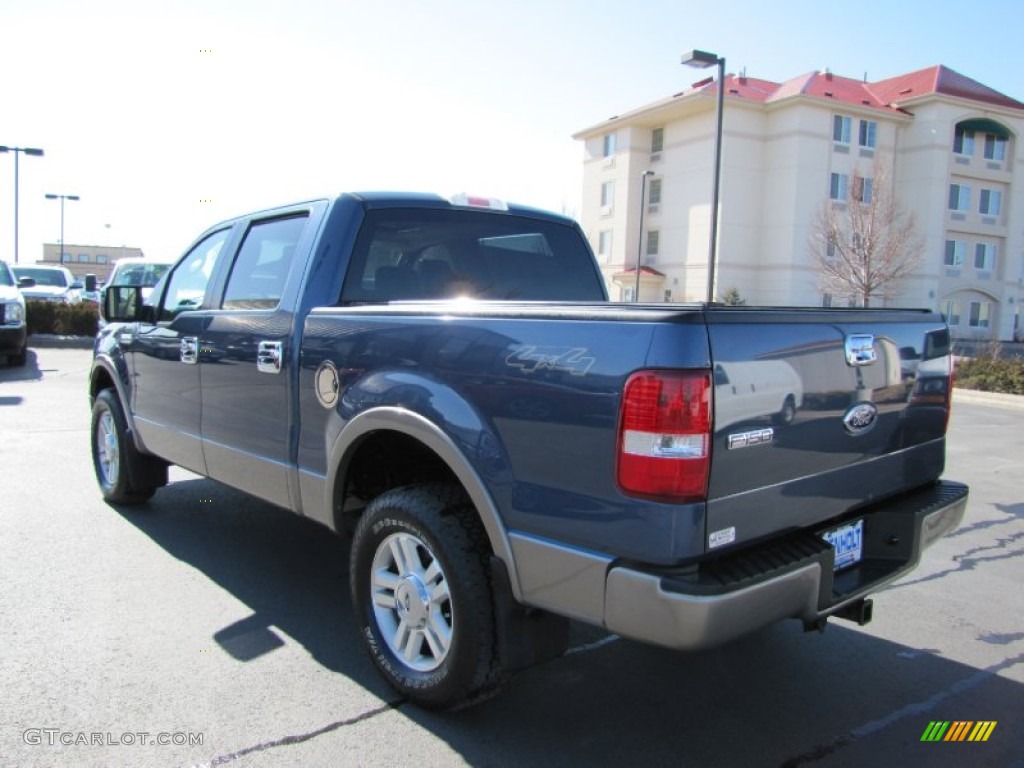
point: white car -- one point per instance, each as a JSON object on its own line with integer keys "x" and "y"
{"x": 13, "y": 337}
{"x": 51, "y": 284}
{"x": 138, "y": 272}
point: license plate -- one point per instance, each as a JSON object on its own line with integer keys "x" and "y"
{"x": 848, "y": 542}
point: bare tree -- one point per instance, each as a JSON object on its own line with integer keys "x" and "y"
{"x": 865, "y": 244}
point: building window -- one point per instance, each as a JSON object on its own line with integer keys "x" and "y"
{"x": 955, "y": 252}
{"x": 839, "y": 186}
{"x": 668, "y": 295}
{"x": 604, "y": 243}
{"x": 83, "y": 258}
{"x": 985, "y": 257}
{"x": 963, "y": 141}
{"x": 826, "y": 299}
{"x": 995, "y": 147}
{"x": 101, "y": 258}
{"x": 959, "y": 197}
{"x": 868, "y": 129}
{"x": 862, "y": 189}
{"x": 607, "y": 195}
{"x": 980, "y": 314}
{"x": 991, "y": 202}
{"x": 841, "y": 129}
{"x": 654, "y": 192}
{"x": 952, "y": 311}
{"x": 657, "y": 139}
{"x": 629, "y": 293}
{"x": 653, "y": 241}
{"x": 609, "y": 145}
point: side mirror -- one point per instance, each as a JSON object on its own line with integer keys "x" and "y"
{"x": 90, "y": 283}
{"x": 26, "y": 282}
{"x": 122, "y": 304}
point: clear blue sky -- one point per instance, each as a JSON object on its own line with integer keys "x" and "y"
{"x": 147, "y": 108}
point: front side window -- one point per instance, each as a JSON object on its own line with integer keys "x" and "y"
{"x": 187, "y": 285}
{"x": 959, "y": 197}
{"x": 263, "y": 263}
{"x": 868, "y": 129}
{"x": 963, "y": 141}
{"x": 841, "y": 129}
{"x": 839, "y": 186}
{"x": 991, "y": 202}
{"x": 955, "y": 250}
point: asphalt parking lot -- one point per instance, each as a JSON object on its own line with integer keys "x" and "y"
{"x": 211, "y": 629}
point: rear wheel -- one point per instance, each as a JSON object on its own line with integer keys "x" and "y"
{"x": 19, "y": 359}
{"x": 420, "y": 584}
{"x": 111, "y": 454}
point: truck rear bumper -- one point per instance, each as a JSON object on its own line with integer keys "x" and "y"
{"x": 788, "y": 578}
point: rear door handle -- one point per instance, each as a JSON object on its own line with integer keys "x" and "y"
{"x": 268, "y": 357}
{"x": 189, "y": 350}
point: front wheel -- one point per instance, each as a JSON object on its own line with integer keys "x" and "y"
{"x": 421, "y": 591}
{"x": 111, "y": 452}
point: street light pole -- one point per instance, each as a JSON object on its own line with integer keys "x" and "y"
{"x": 640, "y": 246}
{"x": 62, "y": 198}
{"x": 701, "y": 60}
{"x": 34, "y": 152}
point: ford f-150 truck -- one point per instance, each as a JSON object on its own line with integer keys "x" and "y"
{"x": 446, "y": 383}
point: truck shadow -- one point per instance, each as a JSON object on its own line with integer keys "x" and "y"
{"x": 778, "y": 698}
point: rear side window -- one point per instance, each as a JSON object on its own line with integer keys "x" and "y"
{"x": 412, "y": 254}
{"x": 263, "y": 263}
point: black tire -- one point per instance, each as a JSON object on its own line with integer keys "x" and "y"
{"x": 112, "y": 456}
{"x": 19, "y": 359}
{"x": 420, "y": 580}
{"x": 788, "y": 413}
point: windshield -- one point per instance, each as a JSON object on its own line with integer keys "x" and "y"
{"x": 51, "y": 277}
{"x": 138, "y": 274}
{"x": 6, "y": 278}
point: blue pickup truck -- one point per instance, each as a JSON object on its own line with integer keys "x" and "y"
{"x": 445, "y": 383}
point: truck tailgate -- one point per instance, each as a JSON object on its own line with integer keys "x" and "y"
{"x": 820, "y": 412}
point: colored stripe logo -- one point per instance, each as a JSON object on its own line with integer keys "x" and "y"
{"x": 958, "y": 730}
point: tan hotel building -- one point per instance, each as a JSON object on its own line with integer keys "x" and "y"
{"x": 951, "y": 147}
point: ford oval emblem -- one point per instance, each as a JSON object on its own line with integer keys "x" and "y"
{"x": 860, "y": 418}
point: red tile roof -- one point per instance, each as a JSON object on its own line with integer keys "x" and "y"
{"x": 644, "y": 271}
{"x": 885, "y": 95}
{"x": 939, "y": 79}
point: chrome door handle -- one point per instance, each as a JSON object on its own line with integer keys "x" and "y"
{"x": 189, "y": 350}
{"x": 269, "y": 356}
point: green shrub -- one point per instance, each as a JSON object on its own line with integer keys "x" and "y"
{"x": 991, "y": 374}
{"x": 63, "y": 319}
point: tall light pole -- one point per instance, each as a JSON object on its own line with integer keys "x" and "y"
{"x": 702, "y": 60}
{"x": 640, "y": 247}
{"x": 34, "y": 152}
{"x": 62, "y": 198}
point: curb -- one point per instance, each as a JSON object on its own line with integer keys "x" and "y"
{"x": 994, "y": 399}
{"x": 52, "y": 341}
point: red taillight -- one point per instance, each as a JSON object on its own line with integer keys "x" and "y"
{"x": 665, "y": 435}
